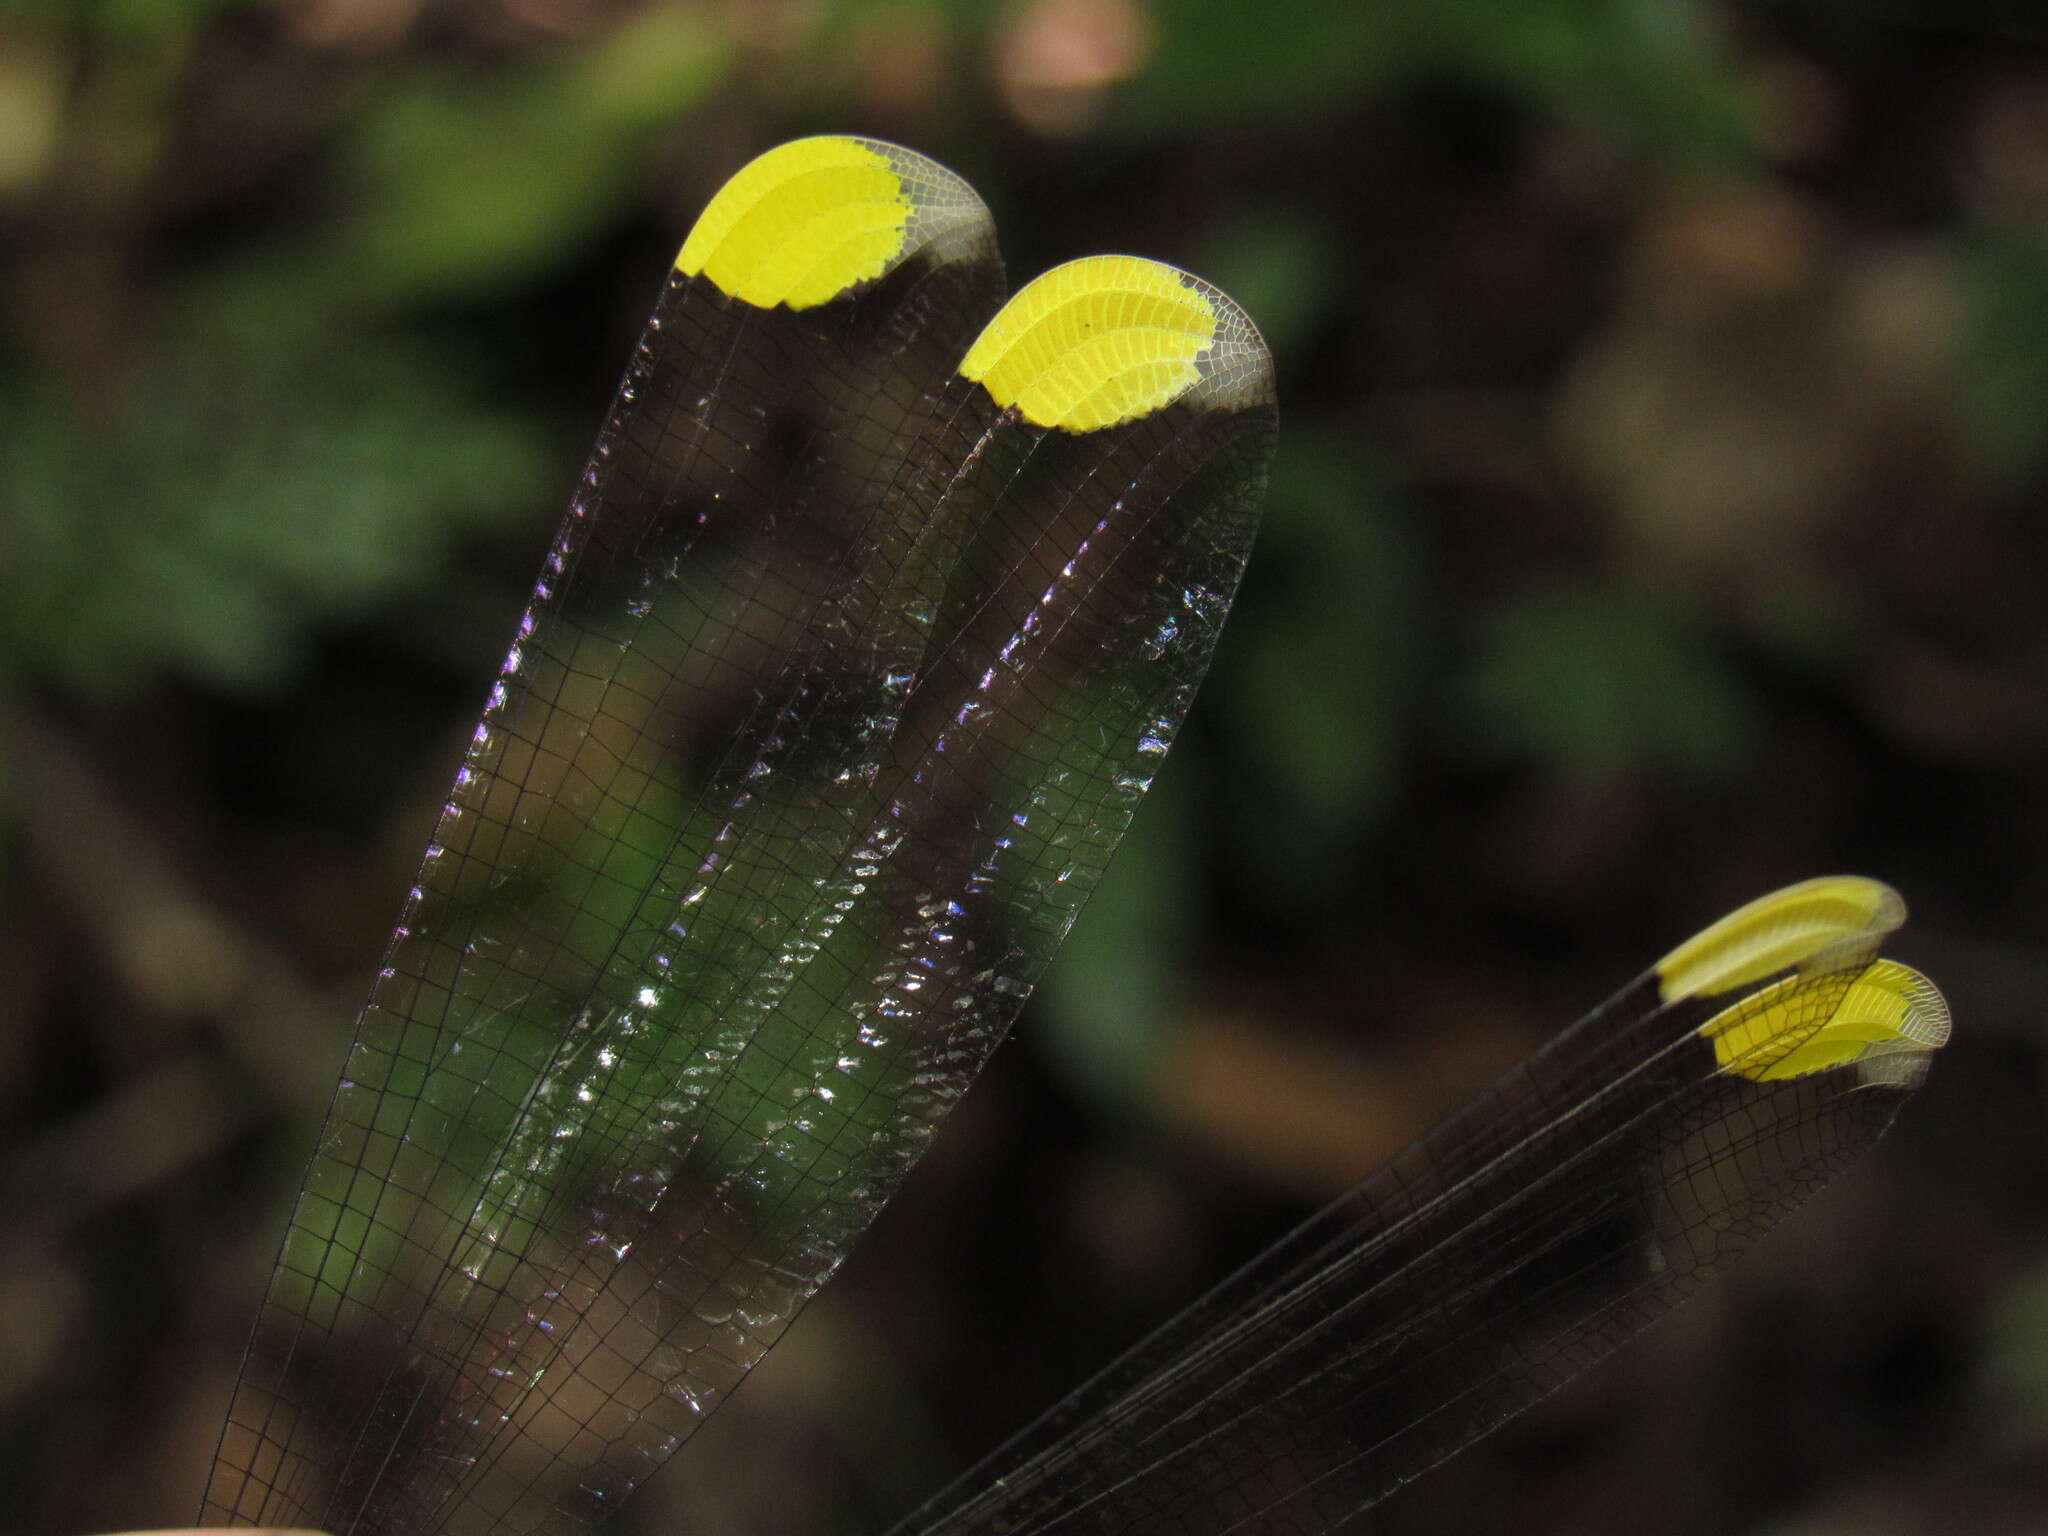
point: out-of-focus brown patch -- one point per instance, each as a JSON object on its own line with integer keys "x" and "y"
{"x": 2005, "y": 159}
{"x": 1312, "y": 1116}
{"x": 1055, "y": 60}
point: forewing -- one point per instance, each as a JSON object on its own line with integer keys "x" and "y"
{"x": 513, "y": 1280}
{"x": 835, "y": 698}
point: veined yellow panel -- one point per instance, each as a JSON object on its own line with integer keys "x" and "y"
{"x": 805, "y": 222}
{"x": 1886, "y": 1021}
{"x": 1106, "y": 339}
{"x": 1781, "y": 931}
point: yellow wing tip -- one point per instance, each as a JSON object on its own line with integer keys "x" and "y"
{"x": 1107, "y": 339}
{"x": 816, "y": 218}
{"x": 1821, "y": 924}
{"x": 1885, "y": 1021}
{"x": 1914, "y": 1013}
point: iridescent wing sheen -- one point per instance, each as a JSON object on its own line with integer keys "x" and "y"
{"x": 1528, "y": 1236}
{"x": 844, "y": 676}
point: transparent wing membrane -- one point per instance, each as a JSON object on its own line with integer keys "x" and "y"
{"x": 839, "y": 687}
{"x": 1591, "y": 1190}
{"x": 875, "y": 612}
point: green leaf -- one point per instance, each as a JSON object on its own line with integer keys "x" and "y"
{"x": 1112, "y": 998}
{"x": 1316, "y": 684}
{"x": 2006, "y": 358}
{"x": 1641, "y": 72}
{"x": 245, "y": 486}
{"x": 1593, "y": 682}
{"x": 468, "y": 184}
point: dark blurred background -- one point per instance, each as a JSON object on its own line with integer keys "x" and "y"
{"x": 1659, "y": 519}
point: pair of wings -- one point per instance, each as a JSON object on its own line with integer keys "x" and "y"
{"x": 875, "y": 612}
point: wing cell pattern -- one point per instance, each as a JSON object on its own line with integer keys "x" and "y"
{"x": 875, "y": 611}
{"x": 1548, "y": 1221}
{"x": 839, "y": 686}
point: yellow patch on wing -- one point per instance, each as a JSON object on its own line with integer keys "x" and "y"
{"x": 1817, "y": 921}
{"x": 806, "y": 222}
{"x": 1885, "y": 1022}
{"x": 1107, "y": 339}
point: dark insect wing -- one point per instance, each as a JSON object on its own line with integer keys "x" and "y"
{"x": 473, "y": 1188}
{"x": 859, "y": 647}
{"x": 1543, "y": 1225}
{"x": 875, "y": 614}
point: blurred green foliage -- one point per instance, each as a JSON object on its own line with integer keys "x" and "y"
{"x": 468, "y": 184}
{"x": 1594, "y": 683}
{"x": 310, "y": 306}
{"x": 1646, "y": 73}
{"x": 251, "y": 479}
{"x": 294, "y": 443}
{"x": 2004, "y": 423}
{"x": 287, "y": 423}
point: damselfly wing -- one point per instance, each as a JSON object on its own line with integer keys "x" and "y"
{"x": 873, "y": 617}
{"x": 1587, "y": 1193}
{"x": 875, "y": 612}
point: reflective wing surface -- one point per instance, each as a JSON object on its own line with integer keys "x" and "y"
{"x": 871, "y": 620}
{"x": 1587, "y": 1193}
